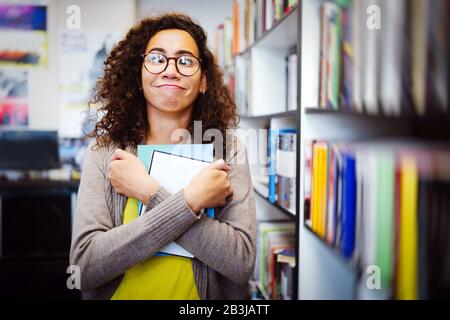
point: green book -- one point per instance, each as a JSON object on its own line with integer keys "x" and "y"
{"x": 384, "y": 217}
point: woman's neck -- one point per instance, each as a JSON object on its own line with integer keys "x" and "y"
{"x": 163, "y": 125}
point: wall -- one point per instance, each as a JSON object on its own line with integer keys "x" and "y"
{"x": 43, "y": 83}
{"x": 208, "y": 13}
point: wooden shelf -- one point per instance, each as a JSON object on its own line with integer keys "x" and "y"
{"x": 278, "y": 36}
{"x": 290, "y": 113}
{"x": 286, "y": 212}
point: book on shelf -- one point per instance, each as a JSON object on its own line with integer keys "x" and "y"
{"x": 219, "y": 50}
{"x": 437, "y": 93}
{"x": 284, "y": 274}
{"x": 272, "y": 238}
{"x": 385, "y": 204}
{"x": 224, "y": 45}
{"x": 253, "y": 18}
{"x": 330, "y": 55}
{"x": 391, "y": 57}
{"x": 307, "y": 182}
{"x": 173, "y": 166}
{"x": 394, "y": 66}
{"x": 282, "y": 165}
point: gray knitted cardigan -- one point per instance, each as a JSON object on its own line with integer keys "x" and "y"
{"x": 103, "y": 248}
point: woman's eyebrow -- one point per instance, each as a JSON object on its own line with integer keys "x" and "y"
{"x": 178, "y": 52}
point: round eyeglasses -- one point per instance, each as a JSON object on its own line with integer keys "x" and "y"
{"x": 156, "y": 63}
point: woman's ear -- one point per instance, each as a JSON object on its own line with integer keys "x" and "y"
{"x": 203, "y": 84}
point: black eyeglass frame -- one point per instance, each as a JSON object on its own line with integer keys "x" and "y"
{"x": 143, "y": 55}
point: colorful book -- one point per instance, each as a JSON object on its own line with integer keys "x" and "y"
{"x": 173, "y": 166}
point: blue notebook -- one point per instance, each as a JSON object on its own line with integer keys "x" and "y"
{"x": 173, "y": 166}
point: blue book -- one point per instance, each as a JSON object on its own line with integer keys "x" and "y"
{"x": 273, "y": 146}
{"x": 173, "y": 165}
{"x": 348, "y": 203}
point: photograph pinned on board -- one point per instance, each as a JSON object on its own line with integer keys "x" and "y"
{"x": 13, "y": 97}
{"x": 23, "y": 35}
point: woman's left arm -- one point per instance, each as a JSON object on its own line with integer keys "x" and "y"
{"x": 228, "y": 245}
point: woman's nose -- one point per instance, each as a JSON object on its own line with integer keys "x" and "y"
{"x": 171, "y": 70}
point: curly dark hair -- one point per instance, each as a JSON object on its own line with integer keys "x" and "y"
{"x": 122, "y": 101}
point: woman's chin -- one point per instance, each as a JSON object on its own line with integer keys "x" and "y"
{"x": 168, "y": 107}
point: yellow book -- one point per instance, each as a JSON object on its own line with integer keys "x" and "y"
{"x": 314, "y": 189}
{"x": 323, "y": 189}
{"x": 319, "y": 188}
{"x": 407, "y": 277}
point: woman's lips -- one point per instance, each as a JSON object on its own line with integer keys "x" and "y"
{"x": 170, "y": 86}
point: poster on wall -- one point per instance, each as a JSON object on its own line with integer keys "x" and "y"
{"x": 23, "y": 34}
{"x": 81, "y": 62}
{"x": 13, "y": 98}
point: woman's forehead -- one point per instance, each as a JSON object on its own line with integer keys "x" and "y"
{"x": 172, "y": 41}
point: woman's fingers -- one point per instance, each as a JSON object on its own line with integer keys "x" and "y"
{"x": 220, "y": 165}
{"x": 119, "y": 154}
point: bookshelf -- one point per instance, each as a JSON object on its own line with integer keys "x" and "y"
{"x": 263, "y": 68}
{"x": 378, "y": 121}
{"x": 324, "y": 272}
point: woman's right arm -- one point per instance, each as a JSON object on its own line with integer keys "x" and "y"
{"x": 102, "y": 251}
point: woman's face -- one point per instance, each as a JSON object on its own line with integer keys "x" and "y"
{"x": 169, "y": 90}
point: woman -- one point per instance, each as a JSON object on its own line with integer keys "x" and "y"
{"x": 159, "y": 79}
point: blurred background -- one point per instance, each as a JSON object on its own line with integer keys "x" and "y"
{"x": 343, "y": 107}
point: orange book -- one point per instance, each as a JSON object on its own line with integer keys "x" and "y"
{"x": 235, "y": 27}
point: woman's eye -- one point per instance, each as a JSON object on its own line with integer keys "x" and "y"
{"x": 156, "y": 58}
{"x": 185, "y": 61}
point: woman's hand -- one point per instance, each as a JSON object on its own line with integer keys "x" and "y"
{"x": 129, "y": 176}
{"x": 210, "y": 187}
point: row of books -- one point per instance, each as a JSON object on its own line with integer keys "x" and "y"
{"x": 384, "y": 57}
{"x": 275, "y": 259}
{"x": 223, "y": 44}
{"x": 252, "y": 18}
{"x": 384, "y": 205}
{"x": 282, "y": 146}
{"x": 284, "y": 275}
